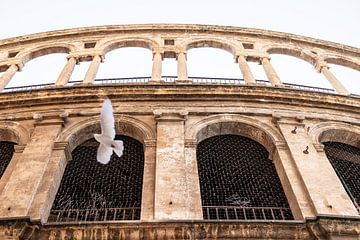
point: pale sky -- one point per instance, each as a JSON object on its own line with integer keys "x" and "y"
{"x": 331, "y": 20}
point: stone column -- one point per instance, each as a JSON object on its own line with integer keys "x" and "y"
{"x": 19, "y": 192}
{"x": 65, "y": 74}
{"x": 50, "y": 183}
{"x": 93, "y": 69}
{"x": 245, "y": 70}
{"x": 270, "y": 72}
{"x": 148, "y": 189}
{"x": 6, "y": 77}
{"x": 192, "y": 180}
{"x": 156, "y": 68}
{"x": 326, "y": 192}
{"x": 181, "y": 67}
{"x": 323, "y": 68}
{"x": 171, "y": 198}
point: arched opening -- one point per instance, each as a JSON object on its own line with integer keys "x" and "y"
{"x": 293, "y": 70}
{"x": 345, "y": 160}
{"x": 238, "y": 181}
{"x": 220, "y": 64}
{"x": 43, "y": 70}
{"x": 6, "y": 153}
{"x": 90, "y": 191}
{"x": 125, "y": 63}
{"x": 349, "y": 77}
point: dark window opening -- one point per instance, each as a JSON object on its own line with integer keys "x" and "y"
{"x": 6, "y": 153}
{"x": 345, "y": 160}
{"x": 91, "y": 191}
{"x": 90, "y": 45}
{"x": 12, "y": 54}
{"x": 238, "y": 181}
{"x": 169, "y": 42}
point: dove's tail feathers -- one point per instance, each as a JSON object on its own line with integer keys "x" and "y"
{"x": 119, "y": 147}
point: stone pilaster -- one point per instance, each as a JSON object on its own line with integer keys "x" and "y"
{"x": 10, "y": 168}
{"x": 19, "y": 192}
{"x": 7, "y": 76}
{"x": 50, "y": 182}
{"x": 245, "y": 70}
{"x": 323, "y": 68}
{"x": 192, "y": 180}
{"x": 270, "y": 72}
{"x": 171, "y": 198}
{"x": 148, "y": 189}
{"x": 93, "y": 69}
{"x": 65, "y": 74}
{"x": 156, "y": 68}
{"x": 324, "y": 188}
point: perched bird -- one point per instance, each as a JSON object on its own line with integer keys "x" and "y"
{"x": 106, "y": 138}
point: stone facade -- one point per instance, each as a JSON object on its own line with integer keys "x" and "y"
{"x": 170, "y": 120}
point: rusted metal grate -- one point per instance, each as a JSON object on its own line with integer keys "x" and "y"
{"x": 6, "y": 153}
{"x": 90, "y": 191}
{"x": 238, "y": 181}
{"x": 345, "y": 159}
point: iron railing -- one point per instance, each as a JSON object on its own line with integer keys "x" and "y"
{"x": 28, "y": 88}
{"x": 246, "y": 213}
{"x": 95, "y": 215}
{"x": 172, "y": 79}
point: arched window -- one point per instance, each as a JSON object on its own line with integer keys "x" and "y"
{"x": 238, "y": 181}
{"x": 6, "y": 153}
{"x": 345, "y": 159}
{"x": 40, "y": 71}
{"x": 91, "y": 191}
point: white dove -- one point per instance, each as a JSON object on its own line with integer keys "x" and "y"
{"x": 106, "y": 138}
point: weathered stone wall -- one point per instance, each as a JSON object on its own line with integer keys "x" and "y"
{"x": 170, "y": 120}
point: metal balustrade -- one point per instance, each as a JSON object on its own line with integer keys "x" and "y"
{"x": 246, "y": 213}
{"x": 173, "y": 79}
{"x": 93, "y": 215}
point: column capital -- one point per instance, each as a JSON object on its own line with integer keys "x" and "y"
{"x": 150, "y": 143}
{"x": 179, "y": 52}
{"x": 77, "y": 60}
{"x": 191, "y": 143}
{"x": 86, "y": 56}
{"x": 63, "y": 146}
{"x": 170, "y": 116}
{"x": 320, "y": 64}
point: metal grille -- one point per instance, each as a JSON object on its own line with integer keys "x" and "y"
{"x": 91, "y": 191}
{"x": 238, "y": 181}
{"x": 345, "y": 159}
{"x": 6, "y": 153}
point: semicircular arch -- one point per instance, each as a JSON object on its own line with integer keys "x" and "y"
{"x": 335, "y": 132}
{"x": 222, "y": 124}
{"x": 124, "y": 125}
{"x": 228, "y": 46}
{"x": 288, "y": 50}
{"x": 14, "y": 132}
{"x": 43, "y": 50}
{"x": 114, "y": 44}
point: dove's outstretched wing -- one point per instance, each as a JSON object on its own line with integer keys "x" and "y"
{"x": 107, "y": 120}
{"x": 104, "y": 154}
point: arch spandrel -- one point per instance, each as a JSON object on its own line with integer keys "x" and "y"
{"x": 125, "y": 125}
{"x": 221, "y": 124}
{"x": 14, "y": 132}
{"x": 335, "y": 132}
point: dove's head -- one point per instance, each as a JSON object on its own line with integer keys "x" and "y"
{"x": 97, "y": 137}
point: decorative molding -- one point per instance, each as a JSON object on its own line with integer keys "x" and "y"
{"x": 170, "y": 116}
